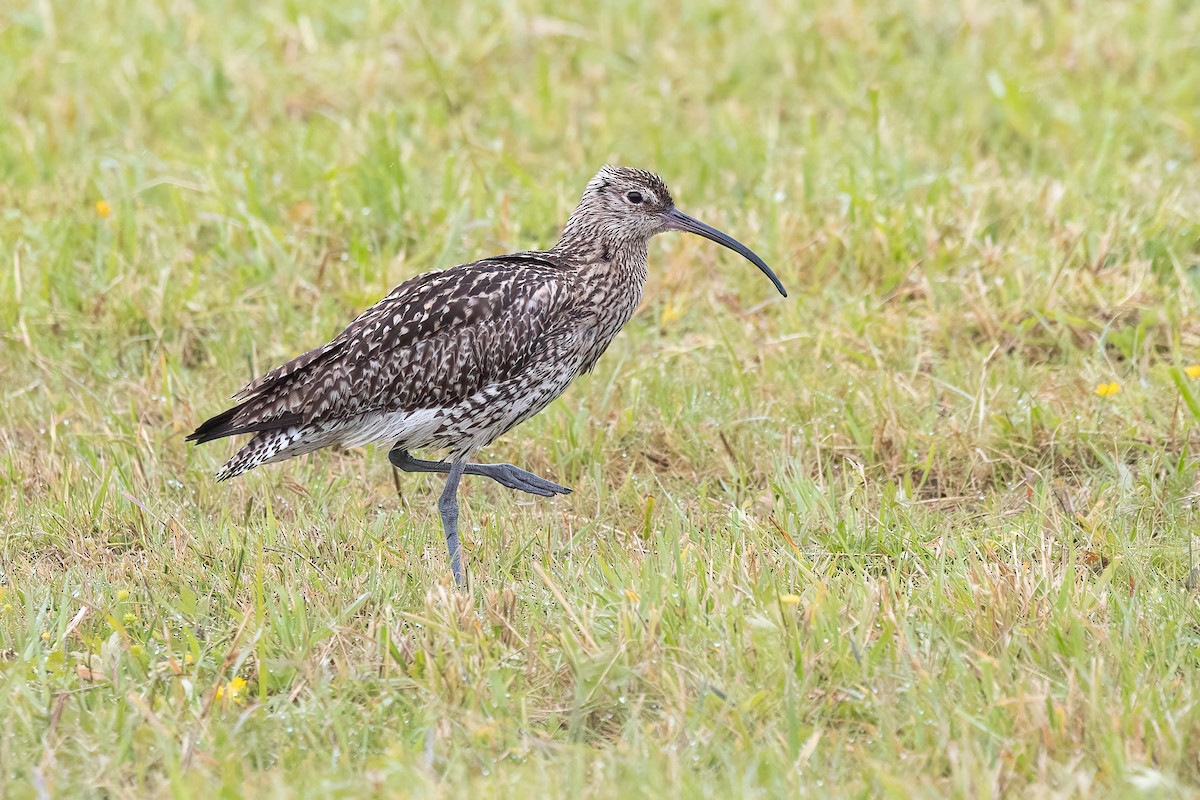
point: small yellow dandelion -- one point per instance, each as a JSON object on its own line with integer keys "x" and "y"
{"x": 234, "y": 691}
{"x": 1107, "y": 389}
{"x": 789, "y": 599}
{"x": 187, "y": 658}
{"x": 45, "y": 636}
{"x": 123, "y": 594}
{"x": 1192, "y": 371}
{"x": 103, "y": 208}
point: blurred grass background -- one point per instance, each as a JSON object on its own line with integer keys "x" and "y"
{"x": 884, "y": 537}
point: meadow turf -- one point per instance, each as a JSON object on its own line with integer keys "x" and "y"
{"x": 882, "y": 537}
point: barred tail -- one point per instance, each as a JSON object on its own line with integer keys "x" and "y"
{"x": 279, "y": 445}
{"x": 264, "y": 447}
{"x": 274, "y": 435}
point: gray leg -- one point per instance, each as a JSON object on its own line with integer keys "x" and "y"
{"x": 448, "y": 505}
{"x": 503, "y": 474}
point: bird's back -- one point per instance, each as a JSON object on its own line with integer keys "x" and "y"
{"x": 434, "y": 342}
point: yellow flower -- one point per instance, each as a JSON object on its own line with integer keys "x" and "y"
{"x": 789, "y": 599}
{"x": 187, "y": 658}
{"x": 1107, "y": 389}
{"x": 1193, "y": 371}
{"x": 123, "y": 594}
{"x": 103, "y": 208}
{"x": 45, "y": 636}
{"x": 234, "y": 690}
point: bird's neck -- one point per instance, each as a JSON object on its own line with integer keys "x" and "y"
{"x": 608, "y": 274}
{"x": 603, "y": 257}
{"x": 606, "y": 271}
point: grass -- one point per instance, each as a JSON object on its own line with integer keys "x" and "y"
{"x": 880, "y": 538}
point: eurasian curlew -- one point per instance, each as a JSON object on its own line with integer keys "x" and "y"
{"x": 453, "y": 359}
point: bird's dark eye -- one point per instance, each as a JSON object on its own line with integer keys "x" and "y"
{"x": 634, "y": 197}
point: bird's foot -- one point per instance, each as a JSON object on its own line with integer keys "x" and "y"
{"x": 504, "y": 474}
{"x": 521, "y": 480}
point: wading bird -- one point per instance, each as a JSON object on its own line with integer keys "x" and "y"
{"x": 453, "y": 359}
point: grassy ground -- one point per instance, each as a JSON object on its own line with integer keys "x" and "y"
{"x": 882, "y": 537}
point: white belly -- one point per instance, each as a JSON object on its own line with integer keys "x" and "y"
{"x": 483, "y": 417}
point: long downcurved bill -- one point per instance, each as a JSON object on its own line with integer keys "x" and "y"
{"x": 678, "y": 221}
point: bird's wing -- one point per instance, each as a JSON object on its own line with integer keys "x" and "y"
{"x": 433, "y": 341}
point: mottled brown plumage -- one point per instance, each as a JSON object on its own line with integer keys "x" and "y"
{"x": 451, "y": 360}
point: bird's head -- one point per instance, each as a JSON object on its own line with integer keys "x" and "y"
{"x": 628, "y": 206}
